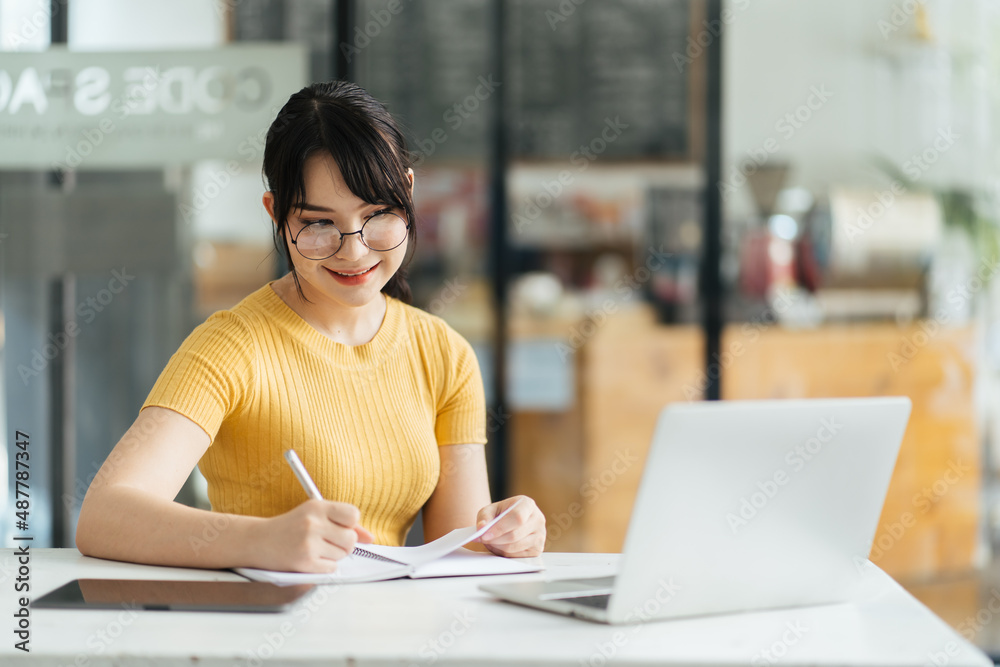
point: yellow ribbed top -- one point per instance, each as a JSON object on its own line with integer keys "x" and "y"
{"x": 366, "y": 420}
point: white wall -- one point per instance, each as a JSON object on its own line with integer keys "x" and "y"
{"x": 884, "y": 100}
{"x": 233, "y": 212}
{"x": 25, "y": 25}
{"x": 111, "y": 25}
{"x": 236, "y": 213}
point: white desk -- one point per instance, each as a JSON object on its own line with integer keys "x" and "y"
{"x": 450, "y": 622}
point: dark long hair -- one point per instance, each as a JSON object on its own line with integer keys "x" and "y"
{"x": 341, "y": 118}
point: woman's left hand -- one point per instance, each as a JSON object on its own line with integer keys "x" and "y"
{"x": 520, "y": 534}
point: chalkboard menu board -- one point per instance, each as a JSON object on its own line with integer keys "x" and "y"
{"x": 427, "y": 63}
{"x": 571, "y": 70}
{"x": 573, "y": 67}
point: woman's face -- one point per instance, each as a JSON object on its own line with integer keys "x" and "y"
{"x": 356, "y": 274}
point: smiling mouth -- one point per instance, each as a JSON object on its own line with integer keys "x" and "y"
{"x": 352, "y": 275}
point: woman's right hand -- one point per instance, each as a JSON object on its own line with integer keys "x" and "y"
{"x": 310, "y": 538}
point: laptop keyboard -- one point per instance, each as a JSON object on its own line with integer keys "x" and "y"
{"x": 595, "y": 601}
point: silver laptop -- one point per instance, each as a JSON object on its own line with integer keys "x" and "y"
{"x": 744, "y": 505}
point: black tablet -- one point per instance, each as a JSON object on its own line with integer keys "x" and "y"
{"x": 161, "y": 595}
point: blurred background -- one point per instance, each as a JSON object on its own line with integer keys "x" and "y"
{"x": 621, "y": 204}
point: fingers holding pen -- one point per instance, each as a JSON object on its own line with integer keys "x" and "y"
{"x": 342, "y": 528}
{"x": 312, "y": 537}
{"x": 352, "y": 521}
{"x": 328, "y": 530}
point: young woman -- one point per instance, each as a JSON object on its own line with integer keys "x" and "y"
{"x": 382, "y": 402}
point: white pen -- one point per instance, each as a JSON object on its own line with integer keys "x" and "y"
{"x": 308, "y": 484}
{"x": 300, "y": 471}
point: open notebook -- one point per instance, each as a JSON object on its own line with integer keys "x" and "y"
{"x": 444, "y": 557}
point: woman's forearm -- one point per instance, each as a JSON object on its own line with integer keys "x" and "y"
{"x": 124, "y": 523}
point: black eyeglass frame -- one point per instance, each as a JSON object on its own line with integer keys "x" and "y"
{"x": 344, "y": 235}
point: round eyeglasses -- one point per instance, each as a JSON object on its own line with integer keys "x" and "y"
{"x": 381, "y": 232}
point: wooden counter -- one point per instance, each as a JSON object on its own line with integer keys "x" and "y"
{"x": 583, "y": 465}
{"x": 930, "y": 521}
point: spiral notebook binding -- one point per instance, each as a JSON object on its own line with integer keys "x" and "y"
{"x": 374, "y": 556}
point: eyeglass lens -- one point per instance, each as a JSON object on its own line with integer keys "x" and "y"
{"x": 380, "y": 232}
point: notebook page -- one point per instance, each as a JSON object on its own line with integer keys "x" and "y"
{"x": 358, "y": 569}
{"x": 425, "y": 552}
{"x": 463, "y": 563}
{"x": 439, "y": 547}
{"x": 352, "y": 569}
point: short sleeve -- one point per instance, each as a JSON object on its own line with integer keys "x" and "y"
{"x": 461, "y": 410}
{"x": 211, "y": 374}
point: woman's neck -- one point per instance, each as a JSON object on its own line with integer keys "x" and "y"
{"x": 350, "y": 325}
